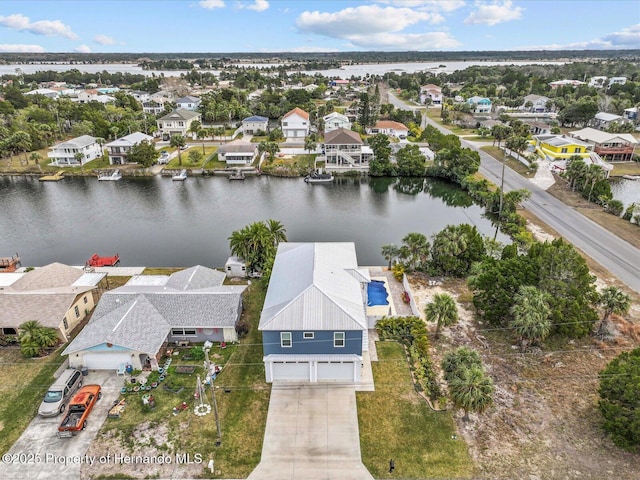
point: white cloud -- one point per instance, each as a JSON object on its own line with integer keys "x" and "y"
{"x": 427, "y": 5}
{"x": 494, "y": 13}
{"x": 257, "y": 5}
{"x": 49, "y": 28}
{"x": 627, "y": 38}
{"x": 104, "y": 40}
{"x": 362, "y": 21}
{"x": 211, "y": 4}
{"x": 21, "y": 48}
{"x": 82, "y": 49}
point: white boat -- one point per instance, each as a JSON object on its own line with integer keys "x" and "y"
{"x": 319, "y": 178}
{"x": 113, "y": 176}
{"x": 180, "y": 176}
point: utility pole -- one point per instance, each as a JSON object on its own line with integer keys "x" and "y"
{"x": 213, "y": 396}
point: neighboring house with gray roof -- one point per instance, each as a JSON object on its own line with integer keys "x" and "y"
{"x": 132, "y": 323}
{"x": 57, "y": 296}
{"x": 119, "y": 149}
{"x": 313, "y": 322}
{"x": 238, "y": 152}
{"x": 255, "y": 123}
{"x": 177, "y": 122}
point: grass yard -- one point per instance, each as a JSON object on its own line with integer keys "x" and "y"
{"x": 395, "y": 423}
{"x": 23, "y": 383}
{"x": 512, "y": 163}
{"x": 627, "y": 168}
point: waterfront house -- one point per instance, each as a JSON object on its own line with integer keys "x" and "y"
{"x": 253, "y": 124}
{"x": 56, "y": 295}
{"x": 295, "y": 124}
{"x": 604, "y": 120}
{"x": 389, "y": 127}
{"x": 344, "y": 150}
{"x": 64, "y": 154}
{"x": 612, "y": 147}
{"x": 479, "y": 104}
{"x": 313, "y": 322}
{"x": 335, "y": 120}
{"x": 154, "y": 106}
{"x": 119, "y": 149}
{"x": 188, "y": 103}
{"x": 177, "y": 122}
{"x": 238, "y": 152}
{"x": 431, "y": 92}
{"x": 132, "y": 323}
{"x": 560, "y": 147}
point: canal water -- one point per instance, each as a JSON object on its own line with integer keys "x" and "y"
{"x": 157, "y": 222}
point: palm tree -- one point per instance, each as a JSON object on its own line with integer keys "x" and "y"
{"x": 576, "y": 171}
{"x": 390, "y": 252}
{"x": 417, "y": 249}
{"x": 472, "y": 391}
{"x": 21, "y": 141}
{"x": 309, "y": 145}
{"x": 460, "y": 359}
{"x": 34, "y": 337}
{"x": 277, "y": 231}
{"x": 36, "y": 157}
{"x": 594, "y": 174}
{"x": 531, "y": 315}
{"x": 442, "y": 310}
{"x": 613, "y": 300}
{"x": 202, "y": 133}
{"x": 179, "y": 142}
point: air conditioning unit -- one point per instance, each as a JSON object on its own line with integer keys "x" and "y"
{"x": 182, "y": 343}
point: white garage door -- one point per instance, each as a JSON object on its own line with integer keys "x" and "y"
{"x": 291, "y": 371}
{"x": 335, "y": 372}
{"x": 105, "y": 361}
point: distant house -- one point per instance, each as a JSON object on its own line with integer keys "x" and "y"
{"x": 539, "y": 128}
{"x": 564, "y": 83}
{"x": 431, "y": 92}
{"x": 538, "y": 103}
{"x": 560, "y": 147}
{"x": 344, "y": 150}
{"x": 630, "y": 113}
{"x": 119, "y": 149}
{"x": 154, "y": 107}
{"x": 140, "y": 95}
{"x": 177, "y": 122}
{"x": 188, "y": 103}
{"x": 389, "y": 127}
{"x": 617, "y": 81}
{"x": 597, "y": 82}
{"x": 604, "y": 120}
{"x": 45, "y": 92}
{"x": 56, "y": 295}
{"x": 238, "y": 152}
{"x": 313, "y": 322}
{"x": 253, "y": 124}
{"x": 335, "y": 120}
{"x": 480, "y": 104}
{"x": 132, "y": 323}
{"x": 64, "y": 154}
{"x": 612, "y": 147}
{"x": 295, "y": 124}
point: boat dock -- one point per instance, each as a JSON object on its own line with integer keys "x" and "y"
{"x": 56, "y": 177}
{"x": 9, "y": 264}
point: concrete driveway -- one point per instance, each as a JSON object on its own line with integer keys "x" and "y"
{"x": 40, "y": 454}
{"x": 311, "y": 434}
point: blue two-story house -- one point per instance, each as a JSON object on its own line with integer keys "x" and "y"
{"x": 313, "y": 323}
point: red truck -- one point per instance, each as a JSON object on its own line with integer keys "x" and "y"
{"x": 78, "y": 410}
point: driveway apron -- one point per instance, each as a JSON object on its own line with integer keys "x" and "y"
{"x": 311, "y": 434}
{"x": 40, "y": 454}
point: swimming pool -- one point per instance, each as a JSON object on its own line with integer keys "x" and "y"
{"x": 377, "y": 293}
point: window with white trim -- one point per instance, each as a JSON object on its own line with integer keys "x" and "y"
{"x": 307, "y": 335}
{"x": 338, "y": 339}
{"x": 285, "y": 339}
{"x": 184, "y": 332}
{"x": 77, "y": 311}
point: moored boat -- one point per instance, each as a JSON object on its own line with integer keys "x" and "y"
{"x": 110, "y": 176}
{"x": 180, "y": 176}
{"x": 97, "y": 261}
{"x": 316, "y": 177}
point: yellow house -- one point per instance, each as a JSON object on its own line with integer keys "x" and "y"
{"x": 56, "y": 295}
{"x": 560, "y": 147}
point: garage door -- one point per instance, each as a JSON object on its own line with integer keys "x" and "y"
{"x": 105, "y": 361}
{"x": 291, "y": 371}
{"x": 335, "y": 372}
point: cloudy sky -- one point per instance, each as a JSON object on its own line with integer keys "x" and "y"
{"x": 307, "y": 25}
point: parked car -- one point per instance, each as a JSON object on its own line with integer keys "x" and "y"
{"x": 79, "y": 409}
{"x": 59, "y": 394}
{"x": 163, "y": 159}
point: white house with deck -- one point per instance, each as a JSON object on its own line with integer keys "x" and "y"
{"x": 85, "y": 148}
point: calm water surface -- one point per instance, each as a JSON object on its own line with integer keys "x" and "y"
{"x": 157, "y": 222}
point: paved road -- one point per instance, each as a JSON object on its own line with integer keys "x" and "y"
{"x": 616, "y": 255}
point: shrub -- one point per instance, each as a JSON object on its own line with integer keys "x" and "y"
{"x": 242, "y": 328}
{"x": 614, "y": 207}
{"x": 197, "y": 353}
{"x": 398, "y": 271}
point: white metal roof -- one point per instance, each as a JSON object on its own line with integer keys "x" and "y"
{"x": 7, "y": 279}
{"x": 89, "y": 279}
{"x": 313, "y": 287}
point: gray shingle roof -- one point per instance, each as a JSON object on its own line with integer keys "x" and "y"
{"x": 342, "y": 136}
{"x": 195, "y": 278}
{"x": 136, "y": 324}
{"x": 180, "y": 113}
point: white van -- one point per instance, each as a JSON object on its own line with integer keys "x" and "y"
{"x": 59, "y": 394}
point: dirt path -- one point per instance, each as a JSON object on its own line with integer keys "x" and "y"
{"x": 544, "y": 423}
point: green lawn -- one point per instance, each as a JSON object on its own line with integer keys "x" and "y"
{"x": 210, "y": 153}
{"x": 395, "y": 423}
{"x": 510, "y": 162}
